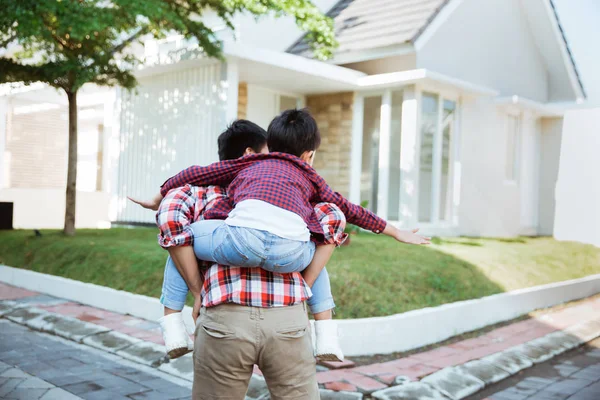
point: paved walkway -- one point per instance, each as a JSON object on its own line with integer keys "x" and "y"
{"x": 455, "y": 370}
{"x": 573, "y": 376}
{"x": 37, "y": 366}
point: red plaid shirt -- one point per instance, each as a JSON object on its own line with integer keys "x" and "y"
{"x": 280, "y": 179}
{"x": 253, "y": 287}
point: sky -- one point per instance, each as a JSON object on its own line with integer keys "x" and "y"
{"x": 580, "y": 20}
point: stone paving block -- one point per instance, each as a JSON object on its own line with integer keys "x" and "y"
{"x": 70, "y": 328}
{"x": 35, "y": 383}
{"x": 145, "y": 353}
{"x": 59, "y": 394}
{"x": 8, "y": 292}
{"x": 509, "y": 360}
{"x": 534, "y": 353}
{"x": 338, "y": 364}
{"x": 257, "y": 389}
{"x": 565, "y": 388}
{"x": 364, "y": 384}
{"x": 566, "y": 370}
{"x": 454, "y": 383}
{"x": 341, "y": 387}
{"x": 110, "y": 341}
{"x": 182, "y": 367}
{"x": 333, "y": 395}
{"x": 22, "y": 315}
{"x": 6, "y": 306}
{"x": 590, "y": 373}
{"x": 556, "y": 343}
{"x": 510, "y": 394}
{"x": 8, "y": 386}
{"x": 41, "y": 300}
{"x": 14, "y": 373}
{"x": 25, "y": 394}
{"x": 410, "y": 391}
{"x": 585, "y": 331}
{"x": 484, "y": 371}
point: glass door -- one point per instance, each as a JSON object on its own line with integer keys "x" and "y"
{"x": 438, "y": 121}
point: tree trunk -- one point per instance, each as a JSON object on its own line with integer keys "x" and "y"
{"x": 71, "y": 166}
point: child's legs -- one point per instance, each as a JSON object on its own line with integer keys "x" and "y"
{"x": 174, "y": 289}
{"x": 217, "y": 242}
{"x": 321, "y": 303}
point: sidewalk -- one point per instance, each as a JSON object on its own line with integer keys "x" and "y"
{"x": 452, "y": 371}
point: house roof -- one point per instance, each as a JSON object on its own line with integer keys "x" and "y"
{"x": 367, "y": 24}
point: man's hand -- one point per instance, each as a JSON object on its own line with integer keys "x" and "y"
{"x": 149, "y": 204}
{"x": 411, "y": 237}
{"x": 196, "y": 308}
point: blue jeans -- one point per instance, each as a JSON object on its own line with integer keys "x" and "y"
{"x": 245, "y": 247}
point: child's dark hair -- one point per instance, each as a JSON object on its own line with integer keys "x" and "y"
{"x": 238, "y": 136}
{"x": 294, "y": 132}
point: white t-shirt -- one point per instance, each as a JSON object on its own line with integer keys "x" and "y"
{"x": 258, "y": 214}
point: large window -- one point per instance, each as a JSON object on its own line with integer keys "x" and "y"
{"x": 436, "y": 161}
{"x": 513, "y": 135}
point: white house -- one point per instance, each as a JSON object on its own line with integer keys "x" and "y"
{"x": 443, "y": 114}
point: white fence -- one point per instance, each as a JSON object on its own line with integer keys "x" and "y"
{"x": 170, "y": 122}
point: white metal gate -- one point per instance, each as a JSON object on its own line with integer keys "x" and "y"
{"x": 170, "y": 122}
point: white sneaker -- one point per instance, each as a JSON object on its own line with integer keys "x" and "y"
{"x": 327, "y": 346}
{"x": 176, "y": 337}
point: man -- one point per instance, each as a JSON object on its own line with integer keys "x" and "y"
{"x": 255, "y": 317}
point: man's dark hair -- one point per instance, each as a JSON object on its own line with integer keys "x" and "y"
{"x": 238, "y": 136}
{"x": 294, "y": 132}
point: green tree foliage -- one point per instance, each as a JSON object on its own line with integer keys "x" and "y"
{"x": 68, "y": 43}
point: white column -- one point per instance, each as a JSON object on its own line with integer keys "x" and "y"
{"x": 409, "y": 158}
{"x": 528, "y": 182}
{"x": 112, "y": 153}
{"x": 3, "y": 116}
{"x": 231, "y": 111}
{"x": 357, "y": 147}
{"x": 384, "y": 154}
{"x": 436, "y": 168}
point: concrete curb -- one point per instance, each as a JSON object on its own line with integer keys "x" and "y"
{"x": 434, "y": 324}
{"x": 454, "y": 383}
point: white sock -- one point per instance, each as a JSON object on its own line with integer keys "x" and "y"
{"x": 175, "y": 333}
{"x": 327, "y": 345}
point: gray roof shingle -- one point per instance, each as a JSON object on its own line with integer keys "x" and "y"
{"x": 367, "y": 24}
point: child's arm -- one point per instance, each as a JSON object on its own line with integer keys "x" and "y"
{"x": 366, "y": 219}
{"x": 220, "y": 174}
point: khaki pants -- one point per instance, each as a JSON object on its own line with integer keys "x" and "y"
{"x": 231, "y": 338}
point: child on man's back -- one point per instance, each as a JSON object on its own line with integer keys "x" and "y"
{"x": 270, "y": 222}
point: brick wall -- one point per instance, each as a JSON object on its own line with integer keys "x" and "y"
{"x": 37, "y": 146}
{"x": 242, "y": 100}
{"x": 333, "y": 113}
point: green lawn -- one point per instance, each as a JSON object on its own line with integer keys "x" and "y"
{"x": 373, "y": 276}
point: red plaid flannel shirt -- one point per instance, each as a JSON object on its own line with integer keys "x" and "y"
{"x": 246, "y": 286}
{"x": 281, "y": 179}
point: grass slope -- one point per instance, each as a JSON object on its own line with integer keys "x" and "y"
{"x": 373, "y": 276}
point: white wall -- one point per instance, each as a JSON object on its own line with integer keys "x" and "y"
{"x": 273, "y": 33}
{"x": 491, "y": 205}
{"x": 549, "y": 160}
{"x": 577, "y": 215}
{"x": 45, "y": 208}
{"x": 172, "y": 122}
{"x": 488, "y": 43}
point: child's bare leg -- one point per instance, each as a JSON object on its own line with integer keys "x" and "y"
{"x": 321, "y": 316}
{"x": 187, "y": 265}
{"x": 168, "y": 311}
